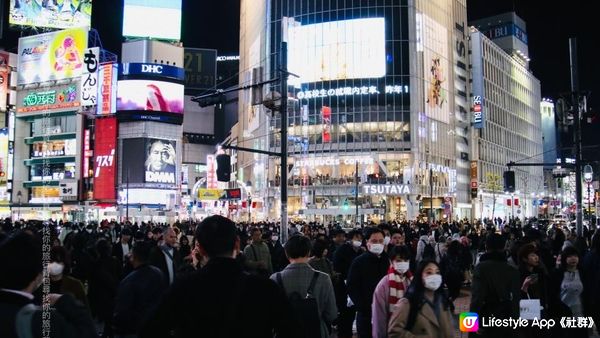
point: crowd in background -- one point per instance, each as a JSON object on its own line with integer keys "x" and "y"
{"x": 393, "y": 279}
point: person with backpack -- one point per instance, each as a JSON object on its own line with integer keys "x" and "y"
{"x": 495, "y": 291}
{"x": 309, "y": 291}
{"x": 21, "y": 261}
{"x": 425, "y": 310}
{"x": 426, "y": 248}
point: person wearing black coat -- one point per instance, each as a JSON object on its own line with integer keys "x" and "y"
{"x": 138, "y": 293}
{"x": 220, "y": 300}
{"x": 342, "y": 260}
{"x": 365, "y": 273}
{"x": 20, "y": 259}
{"x": 166, "y": 257}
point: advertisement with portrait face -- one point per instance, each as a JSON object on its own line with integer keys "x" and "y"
{"x": 52, "y": 56}
{"x": 160, "y": 164}
{"x": 435, "y": 69}
{"x": 105, "y": 160}
{"x": 51, "y": 14}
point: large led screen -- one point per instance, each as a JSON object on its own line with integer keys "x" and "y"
{"x": 51, "y": 13}
{"x": 147, "y": 160}
{"x": 52, "y": 56}
{"x": 160, "y": 19}
{"x": 338, "y": 50}
{"x": 146, "y": 95}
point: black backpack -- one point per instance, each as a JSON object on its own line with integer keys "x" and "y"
{"x": 428, "y": 251}
{"x": 305, "y": 309}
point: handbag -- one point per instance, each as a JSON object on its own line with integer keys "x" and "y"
{"x": 530, "y": 308}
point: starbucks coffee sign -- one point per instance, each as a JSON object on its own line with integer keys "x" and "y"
{"x": 386, "y": 189}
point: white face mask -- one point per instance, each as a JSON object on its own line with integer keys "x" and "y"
{"x": 55, "y": 269}
{"x": 274, "y": 238}
{"x": 401, "y": 267}
{"x": 433, "y": 282}
{"x": 386, "y": 240}
{"x": 89, "y": 231}
{"x": 356, "y": 244}
{"x": 376, "y": 248}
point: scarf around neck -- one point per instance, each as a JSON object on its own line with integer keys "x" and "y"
{"x": 397, "y": 286}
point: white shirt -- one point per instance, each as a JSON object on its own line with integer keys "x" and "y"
{"x": 125, "y": 247}
{"x": 169, "y": 264}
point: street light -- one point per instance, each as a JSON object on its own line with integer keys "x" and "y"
{"x": 588, "y": 175}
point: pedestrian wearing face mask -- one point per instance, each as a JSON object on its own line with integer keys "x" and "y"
{"x": 391, "y": 289}
{"x": 60, "y": 281}
{"x": 342, "y": 260}
{"x": 425, "y": 310}
{"x": 365, "y": 273}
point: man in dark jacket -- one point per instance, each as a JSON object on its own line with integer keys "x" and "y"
{"x": 21, "y": 262}
{"x": 139, "y": 293}
{"x": 122, "y": 248}
{"x": 220, "y": 300}
{"x": 342, "y": 259}
{"x": 496, "y": 289}
{"x": 365, "y": 273}
{"x": 166, "y": 257}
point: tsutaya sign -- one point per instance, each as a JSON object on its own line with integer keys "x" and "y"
{"x": 386, "y": 189}
{"x": 332, "y": 161}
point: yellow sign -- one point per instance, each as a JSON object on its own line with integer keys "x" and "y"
{"x": 210, "y": 194}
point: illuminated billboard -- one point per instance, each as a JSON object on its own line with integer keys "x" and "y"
{"x": 433, "y": 42}
{"x": 107, "y": 89}
{"x": 51, "y": 14}
{"x": 145, "y": 95}
{"x": 105, "y": 146}
{"x": 151, "y": 161}
{"x": 159, "y": 19}
{"x": 52, "y": 56}
{"x": 54, "y": 99}
{"x": 338, "y": 50}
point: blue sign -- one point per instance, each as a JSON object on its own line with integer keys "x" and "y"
{"x": 152, "y": 70}
{"x": 477, "y": 111}
{"x": 504, "y": 30}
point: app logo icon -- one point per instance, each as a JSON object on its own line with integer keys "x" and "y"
{"x": 468, "y": 322}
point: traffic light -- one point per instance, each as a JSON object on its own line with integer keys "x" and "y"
{"x": 223, "y": 168}
{"x": 509, "y": 181}
{"x": 211, "y": 100}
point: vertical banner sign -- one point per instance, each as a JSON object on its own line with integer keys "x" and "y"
{"x": 107, "y": 89}
{"x": 104, "y": 161}
{"x": 474, "y": 183}
{"x": 326, "y": 114}
{"x": 211, "y": 172}
{"x": 478, "y": 114}
{"x": 4, "y": 71}
{"x": 89, "y": 77}
{"x": 87, "y": 153}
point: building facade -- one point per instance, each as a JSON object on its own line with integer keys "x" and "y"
{"x": 378, "y": 115}
{"x": 508, "y": 127}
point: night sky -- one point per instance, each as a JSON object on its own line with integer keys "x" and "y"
{"x": 215, "y": 24}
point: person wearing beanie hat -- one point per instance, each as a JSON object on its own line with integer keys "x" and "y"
{"x": 20, "y": 278}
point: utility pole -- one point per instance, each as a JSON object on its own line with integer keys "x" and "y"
{"x": 356, "y": 191}
{"x": 577, "y": 133}
{"x": 127, "y": 199}
{"x": 431, "y": 194}
{"x": 284, "y": 135}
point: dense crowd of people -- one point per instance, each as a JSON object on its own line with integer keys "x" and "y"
{"x": 222, "y": 279}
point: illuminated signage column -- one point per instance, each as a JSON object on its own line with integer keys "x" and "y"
{"x": 104, "y": 159}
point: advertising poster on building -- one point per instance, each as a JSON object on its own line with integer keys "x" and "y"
{"x": 4, "y": 166}
{"x": 52, "y": 56}
{"x": 4, "y": 72}
{"x": 105, "y": 159}
{"x": 326, "y": 114}
{"x": 252, "y": 112}
{"x": 133, "y": 157}
{"x": 435, "y": 69}
{"x": 51, "y": 14}
{"x": 107, "y": 89}
{"x": 89, "y": 79}
{"x": 54, "y": 148}
{"x": 146, "y": 95}
{"x": 161, "y": 162}
{"x": 52, "y": 99}
{"x": 200, "y": 68}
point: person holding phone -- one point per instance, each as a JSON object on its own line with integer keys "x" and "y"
{"x": 534, "y": 277}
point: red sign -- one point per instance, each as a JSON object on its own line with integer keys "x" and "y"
{"x": 105, "y": 159}
{"x": 326, "y": 113}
